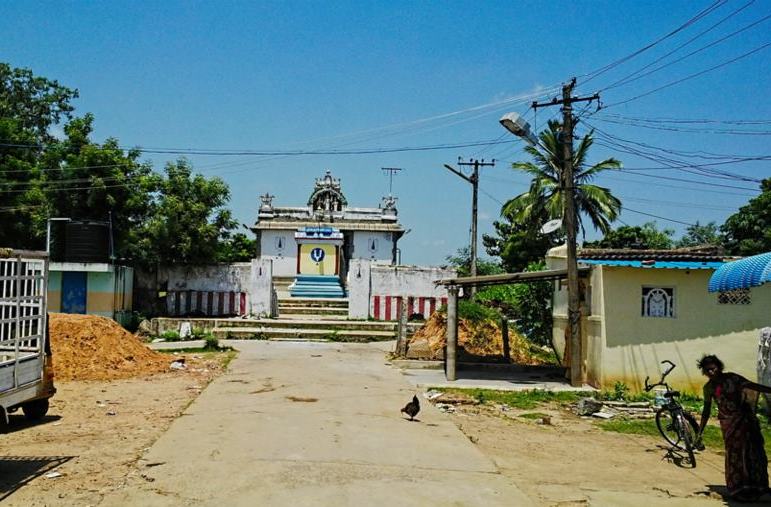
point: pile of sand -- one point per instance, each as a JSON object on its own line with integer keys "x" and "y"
{"x": 480, "y": 339}
{"x": 88, "y": 347}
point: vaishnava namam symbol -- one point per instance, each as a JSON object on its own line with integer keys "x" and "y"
{"x": 317, "y": 254}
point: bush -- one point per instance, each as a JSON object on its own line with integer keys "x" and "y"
{"x": 170, "y": 336}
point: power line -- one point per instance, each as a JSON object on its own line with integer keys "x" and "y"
{"x": 697, "y": 74}
{"x": 364, "y": 151}
{"x": 692, "y": 20}
{"x": 634, "y": 76}
{"x": 657, "y": 216}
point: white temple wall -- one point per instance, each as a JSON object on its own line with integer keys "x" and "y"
{"x": 374, "y": 246}
{"x": 280, "y": 247}
{"x": 374, "y": 290}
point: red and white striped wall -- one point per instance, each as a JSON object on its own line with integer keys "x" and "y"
{"x": 209, "y": 303}
{"x": 387, "y": 307}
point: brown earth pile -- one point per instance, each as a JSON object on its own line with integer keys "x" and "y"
{"x": 88, "y": 347}
{"x": 482, "y": 339}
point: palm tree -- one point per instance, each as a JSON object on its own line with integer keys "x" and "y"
{"x": 545, "y": 198}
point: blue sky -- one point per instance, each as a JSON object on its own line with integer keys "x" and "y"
{"x": 360, "y": 75}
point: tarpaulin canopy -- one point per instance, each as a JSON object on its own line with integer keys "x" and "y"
{"x": 742, "y": 274}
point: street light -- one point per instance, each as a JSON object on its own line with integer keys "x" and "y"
{"x": 517, "y": 125}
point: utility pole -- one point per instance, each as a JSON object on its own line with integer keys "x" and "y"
{"x": 474, "y": 180}
{"x": 569, "y": 217}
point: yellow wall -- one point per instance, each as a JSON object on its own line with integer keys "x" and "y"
{"x": 636, "y": 345}
{"x": 325, "y": 267}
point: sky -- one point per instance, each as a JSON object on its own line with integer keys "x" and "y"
{"x": 354, "y": 76}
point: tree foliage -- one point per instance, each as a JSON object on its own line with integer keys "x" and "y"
{"x": 545, "y": 197}
{"x": 517, "y": 244}
{"x": 748, "y": 231}
{"x": 644, "y": 237}
{"x": 529, "y": 304}
{"x": 461, "y": 261}
{"x": 175, "y": 217}
{"x": 189, "y": 218}
{"x": 698, "y": 234}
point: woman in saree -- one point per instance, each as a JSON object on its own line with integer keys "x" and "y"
{"x": 746, "y": 465}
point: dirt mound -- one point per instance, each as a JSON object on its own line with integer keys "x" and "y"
{"x": 482, "y": 339}
{"x": 88, "y": 347}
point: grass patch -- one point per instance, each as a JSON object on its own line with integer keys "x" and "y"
{"x": 712, "y": 438}
{"x": 533, "y": 415}
{"x": 525, "y": 400}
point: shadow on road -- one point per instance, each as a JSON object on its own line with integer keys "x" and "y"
{"x": 17, "y": 422}
{"x": 16, "y": 471}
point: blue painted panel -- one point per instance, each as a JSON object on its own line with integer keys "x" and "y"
{"x": 74, "y": 292}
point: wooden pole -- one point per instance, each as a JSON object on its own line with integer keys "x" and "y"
{"x": 505, "y": 334}
{"x": 401, "y": 343}
{"x": 450, "y": 357}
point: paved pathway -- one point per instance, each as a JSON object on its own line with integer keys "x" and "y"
{"x": 313, "y": 424}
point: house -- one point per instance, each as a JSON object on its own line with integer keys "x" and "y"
{"x": 640, "y": 307}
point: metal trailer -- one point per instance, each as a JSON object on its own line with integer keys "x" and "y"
{"x": 26, "y": 367}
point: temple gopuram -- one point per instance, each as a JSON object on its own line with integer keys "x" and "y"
{"x": 314, "y": 244}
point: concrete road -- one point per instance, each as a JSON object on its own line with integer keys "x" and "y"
{"x": 295, "y": 423}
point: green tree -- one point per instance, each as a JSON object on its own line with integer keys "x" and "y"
{"x": 748, "y": 231}
{"x": 545, "y": 197}
{"x": 29, "y": 106}
{"x": 697, "y": 234}
{"x": 462, "y": 262}
{"x": 645, "y": 237}
{"x": 86, "y": 180}
{"x": 237, "y": 248}
{"x": 518, "y": 245}
{"x": 189, "y": 219}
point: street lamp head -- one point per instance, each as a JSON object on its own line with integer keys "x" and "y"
{"x": 517, "y": 125}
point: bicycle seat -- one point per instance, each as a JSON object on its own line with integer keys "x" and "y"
{"x": 672, "y": 394}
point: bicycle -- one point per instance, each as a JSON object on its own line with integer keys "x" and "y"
{"x": 678, "y": 427}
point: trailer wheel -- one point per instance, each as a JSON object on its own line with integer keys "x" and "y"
{"x": 34, "y": 410}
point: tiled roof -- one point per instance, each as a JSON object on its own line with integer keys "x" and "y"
{"x": 699, "y": 254}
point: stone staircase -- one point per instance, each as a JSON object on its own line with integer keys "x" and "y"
{"x": 317, "y": 319}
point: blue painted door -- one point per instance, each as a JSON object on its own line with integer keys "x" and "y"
{"x": 74, "y": 292}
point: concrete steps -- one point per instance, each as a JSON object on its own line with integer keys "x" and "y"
{"x": 302, "y": 333}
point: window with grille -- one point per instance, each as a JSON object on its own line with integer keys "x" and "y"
{"x": 734, "y": 297}
{"x": 658, "y": 302}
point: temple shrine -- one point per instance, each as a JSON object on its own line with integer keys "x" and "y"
{"x": 315, "y": 243}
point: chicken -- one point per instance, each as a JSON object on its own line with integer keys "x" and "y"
{"x": 412, "y": 408}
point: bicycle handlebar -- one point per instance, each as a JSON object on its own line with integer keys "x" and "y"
{"x": 661, "y": 382}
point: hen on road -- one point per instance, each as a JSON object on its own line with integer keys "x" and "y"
{"x": 412, "y": 408}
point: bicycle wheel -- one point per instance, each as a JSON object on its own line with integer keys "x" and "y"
{"x": 669, "y": 430}
{"x": 687, "y": 437}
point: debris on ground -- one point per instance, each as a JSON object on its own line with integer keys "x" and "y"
{"x": 610, "y": 409}
{"x": 179, "y": 364}
{"x": 90, "y": 347}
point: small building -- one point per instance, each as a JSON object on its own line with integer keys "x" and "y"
{"x": 314, "y": 244}
{"x": 92, "y": 288}
{"x": 82, "y": 275}
{"x": 640, "y": 307}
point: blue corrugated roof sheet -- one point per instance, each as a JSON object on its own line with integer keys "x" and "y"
{"x": 653, "y": 264}
{"x": 742, "y": 274}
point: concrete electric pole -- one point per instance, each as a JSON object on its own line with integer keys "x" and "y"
{"x": 474, "y": 180}
{"x": 570, "y": 219}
